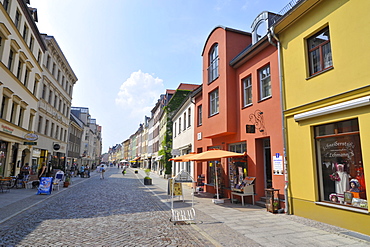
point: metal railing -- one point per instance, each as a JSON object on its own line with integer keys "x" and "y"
{"x": 285, "y": 10}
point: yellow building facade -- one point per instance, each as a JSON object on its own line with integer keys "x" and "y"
{"x": 325, "y": 79}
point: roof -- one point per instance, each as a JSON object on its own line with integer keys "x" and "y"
{"x": 226, "y": 29}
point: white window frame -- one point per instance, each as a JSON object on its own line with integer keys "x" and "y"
{"x": 265, "y": 82}
{"x": 247, "y": 91}
{"x": 214, "y": 102}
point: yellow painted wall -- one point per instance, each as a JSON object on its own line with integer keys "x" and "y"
{"x": 349, "y": 23}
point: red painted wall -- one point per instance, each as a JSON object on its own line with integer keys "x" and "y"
{"x": 229, "y": 126}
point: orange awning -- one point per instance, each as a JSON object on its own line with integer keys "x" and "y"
{"x": 214, "y": 155}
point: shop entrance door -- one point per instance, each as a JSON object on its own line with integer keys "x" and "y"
{"x": 267, "y": 161}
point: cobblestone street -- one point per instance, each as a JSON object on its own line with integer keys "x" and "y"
{"x": 115, "y": 211}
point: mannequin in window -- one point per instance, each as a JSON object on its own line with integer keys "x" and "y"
{"x": 341, "y": 184}
{"x": 354, "y": 185}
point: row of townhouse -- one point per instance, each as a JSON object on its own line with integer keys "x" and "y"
{"x": 151, "y": 145}
{"x": 36, "y": 87}
{"x": 293, "y": 95}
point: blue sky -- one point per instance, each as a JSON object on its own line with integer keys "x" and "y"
{"x": 126, "y": 53}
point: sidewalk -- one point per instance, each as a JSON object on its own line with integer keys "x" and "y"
{"x": 257, "y": 224}
{"x": 23, "y": 199}
{"x": 252, "y": 222}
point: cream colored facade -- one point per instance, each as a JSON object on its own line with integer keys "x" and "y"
{"x": 327, "y": 110}
{"x": 183, "y": 136}
{"x": 21, "y": 53}
{"x": 54, "y": 107}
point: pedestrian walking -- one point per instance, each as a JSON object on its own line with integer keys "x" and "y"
{"x": 82, "y": 171}
{"x": 102, "y": 171}
{"x": 87, "y": 171}
{"x": 124, "y": 170}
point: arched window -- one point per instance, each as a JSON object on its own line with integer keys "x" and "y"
{"x": 213, "y": 64}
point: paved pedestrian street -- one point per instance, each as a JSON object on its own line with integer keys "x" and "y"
{"x": 115, "y": 211}
{"x": 120, "y": 211}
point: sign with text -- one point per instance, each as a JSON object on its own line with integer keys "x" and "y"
{"x": 277, "y": 161}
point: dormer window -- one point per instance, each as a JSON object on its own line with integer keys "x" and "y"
{"x": 260, "y": 27}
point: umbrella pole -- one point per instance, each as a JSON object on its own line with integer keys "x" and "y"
{"x": 218, "y": 200}
{"x": 218, "y": 197}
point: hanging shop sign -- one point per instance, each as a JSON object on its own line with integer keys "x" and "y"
{"x": 31, "y": 137}
{"x": 56, "y": 146}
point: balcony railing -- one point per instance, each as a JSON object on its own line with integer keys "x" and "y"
{"x": 285, "y": 10}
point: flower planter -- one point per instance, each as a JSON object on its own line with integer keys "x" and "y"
{"x": 147, "y": 181}
{"x": 66, "y": 184}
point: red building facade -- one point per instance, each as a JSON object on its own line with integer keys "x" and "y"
{"x": 238, "y": 109}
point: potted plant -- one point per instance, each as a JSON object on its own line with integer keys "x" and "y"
{"x": 275, "y": 205}
{"x": 147, "y": 179}
{"x": 67, "y": 181}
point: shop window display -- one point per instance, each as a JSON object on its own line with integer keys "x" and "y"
{"x": 340, "y": 168}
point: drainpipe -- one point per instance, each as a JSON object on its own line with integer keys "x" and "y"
{"x": 271, "y": 35}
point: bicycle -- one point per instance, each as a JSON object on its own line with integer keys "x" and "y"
{"x": 17, "y": 182}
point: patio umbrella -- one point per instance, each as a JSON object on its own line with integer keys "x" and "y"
{"x": 182, "y": 158}
{"x": 215, "y": 155}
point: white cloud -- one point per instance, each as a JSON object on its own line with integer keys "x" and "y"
{"x": 139, "y": 93}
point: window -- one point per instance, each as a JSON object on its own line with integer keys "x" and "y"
{"x": 4, "y": 107}
{"x": 60, "y": 105}
{"x": 265, "y": 82}
{"x": 200, "y": 119}
{"x": 179, "y": 125}
{"x": 184, "y": 120}
{"x": 52, "y": 130}
{"x": 20, "y": 117}
{"x": 48, "y": 62}
{"x": 53, "y": 70}
{"x": 247, "y": 91}
{"x": 6, "y": 5}
{"x": 55, "y": 101}
{"x": 44, "y": 91}
{"x": 26, "y": 76}
{"x": 30, "y": 123}
{"x": 57, "y": 132}
{"x": 17, "y": 19}
{"x": 35, "y": 84}
{"x": 213, "y": 64}
{"x": 39, "y": 57}
{"x": 19, "y": 70}
{"x": 189, "y": 117}
{"x": 50, "y": 96}
{"x": 12, "y": 113}
{"x": 25, "y": 32}
{"x": 2, "y": 40}
{"x": 10, "y": 61}
{"x": 58, "y": 75}
{"x": 339, "y": 161}
{"x": 46, "y": 127}
{"x": 174, "y": 129}
{"x": 32, "y": 40}
{"x": 61, "y": 134}
{"x": 39, "y": 124}
{"x": 319, "y": 51}
{"x": 213, "y": 102}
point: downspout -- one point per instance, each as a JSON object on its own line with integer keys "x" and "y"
{"x": 271, "y": 34}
